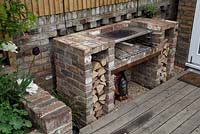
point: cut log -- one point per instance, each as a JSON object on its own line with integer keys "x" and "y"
{"x": 102, "y": 102}
{"x": 96, "y": 83}
{"x": 99, "y": 113}
{"x": 97, "y": 106}
{"x": 164, "y": 69}
{"x": 101, "y": 71}
{"x": 94, "y": 74}
{"x": 100, "y": 90}
{"x": 94, "y": 92}
{"x": 95, "y": 99}
{"x": 103, "y": 78}
{"x": 96, "y": 65}
{"x": 94, "y": 79}
{"x": 103, "y": 62}
{"x": 103, "y": 83}
{"x": 102, "y": 97}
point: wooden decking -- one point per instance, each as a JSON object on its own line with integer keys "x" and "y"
{"x": 172, "y": 108}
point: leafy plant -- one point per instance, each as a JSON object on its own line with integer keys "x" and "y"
{"x": 10, "y": 90}
{"x": 13, "y": 120}
{"x": 149, "y": 10}
{"x": 15, "y": 18}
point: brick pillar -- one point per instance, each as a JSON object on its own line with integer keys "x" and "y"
{"x": 185, "y": 17}
{"x": 74, "y": 71}
{"x": 110, "y": 82}
{"x": 49, "y": 114}
{"x": 74, "y": 77}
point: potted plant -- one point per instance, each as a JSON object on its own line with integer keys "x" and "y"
{"x": 149, "y": 10}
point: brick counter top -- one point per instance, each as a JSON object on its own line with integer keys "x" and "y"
{"x": 75, "y": 54}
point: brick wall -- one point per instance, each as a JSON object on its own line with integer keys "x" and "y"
{"x": 185, "y": 18}
{"x": 52, "y": 26}
{"x": 48, "y": 114}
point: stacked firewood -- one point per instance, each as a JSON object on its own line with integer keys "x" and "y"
{"x": 163, "y": 60}
{"x": 99, "y": 83}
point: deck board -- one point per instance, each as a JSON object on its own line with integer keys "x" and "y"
{"x": 188, "y": 126}
{"x": 180, "y": 118}
{"x": 140, "y": 109}
{"x": 196, "y": 130}
{"x": 163, "y": 105}
{"x": 172, "y": 108}
{"x": 99, "y": 124}
{"x": 168, "y": 114}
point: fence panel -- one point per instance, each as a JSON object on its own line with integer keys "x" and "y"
{"x": 50, "y": 7}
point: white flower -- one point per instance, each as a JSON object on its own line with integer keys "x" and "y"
{"x": 8, "y": 46}
{"x": 32, "y": 87}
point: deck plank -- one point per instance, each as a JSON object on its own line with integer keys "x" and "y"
{"x": 159, "y": 120}
{"x": 133, "y": 125}
{"x": 140, "y": 109}
{"x": 177, "y": 120}
{"x": 189, "y": 125}
{"x": 126, "y": 108}
{"x": 196, "y": 130}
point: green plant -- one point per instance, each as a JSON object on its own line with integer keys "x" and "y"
{"x": 13, "y": 120}
{"x": 13, "y": 86}
{"x": 12, "y": 91}
{"x": 149, "y": 10}
{"x": 15, "y": 18}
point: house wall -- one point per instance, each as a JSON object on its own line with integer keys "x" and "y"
{"x": 185, "y": 18}
{"x": 49, "y": 27}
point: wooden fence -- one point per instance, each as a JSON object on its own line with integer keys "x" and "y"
{"x": 49, "y": 7}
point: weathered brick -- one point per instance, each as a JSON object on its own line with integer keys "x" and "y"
{"x": 51, "y": 115}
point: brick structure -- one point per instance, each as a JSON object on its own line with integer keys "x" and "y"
{"x": 74, "y": 54}
{"x": 185, "y": 18}
{"x": 48, "y": 114}
{"x": 52, "y": 26}
{"x": 164, "y": 36}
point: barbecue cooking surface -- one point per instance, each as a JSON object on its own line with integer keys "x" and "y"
{"x": 119, "y": 33}
{"x": 125, "y": 33}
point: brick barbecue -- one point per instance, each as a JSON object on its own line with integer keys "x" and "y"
{"x": 86, "y": 61}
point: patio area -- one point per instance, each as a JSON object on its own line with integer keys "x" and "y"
{"x": 172, "y": 108}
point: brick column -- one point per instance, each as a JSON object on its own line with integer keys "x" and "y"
{"x": 185, "y": 17}
{"x": 49, "y": 114}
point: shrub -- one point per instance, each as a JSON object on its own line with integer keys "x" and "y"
{"x": 15, "y": 18}
{"x": 149, "y": 10}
